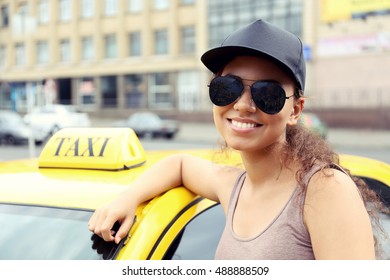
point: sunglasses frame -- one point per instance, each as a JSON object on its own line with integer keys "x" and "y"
{"x": 262, "y": 104}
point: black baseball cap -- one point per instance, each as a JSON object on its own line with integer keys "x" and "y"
{"x": 262, "y": 39}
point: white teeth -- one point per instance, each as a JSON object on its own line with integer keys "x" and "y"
{"x": 243, "y": 125}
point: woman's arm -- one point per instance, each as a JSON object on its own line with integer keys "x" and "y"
{"x": 337, "y": 219}
{"x": 198, "y": 175}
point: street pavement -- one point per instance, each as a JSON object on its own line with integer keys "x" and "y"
{"x": 364, "y": 138}
{"x": 337, "y": 137}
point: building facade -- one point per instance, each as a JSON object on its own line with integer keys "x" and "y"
{"x": 352, "y": 54}
{"x": 113, "y": 57}
{"x": 102, "y": 56}
{"x": 349, "y": 82}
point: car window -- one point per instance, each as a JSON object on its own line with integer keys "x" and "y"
{"x": 383, "y": 192}
{"x": 380, "y": 188}
{"x": 47, "y": 110}
{"x": 70, "y": 109}
{"x": 383, "y": 237}
{"x": 200, "y": 237}
{"x": 14, "y": 119}
{"x": 34, "y": 232}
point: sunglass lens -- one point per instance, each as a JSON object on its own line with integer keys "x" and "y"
{"x": 268, "y": 97}
{"x": 225, "y": 90}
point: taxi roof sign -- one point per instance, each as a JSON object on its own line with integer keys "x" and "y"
{"x": 93, "y": 148}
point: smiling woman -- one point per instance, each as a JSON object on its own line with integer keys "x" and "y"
{"x": 291, "y": 199}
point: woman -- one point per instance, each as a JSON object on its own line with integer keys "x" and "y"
{"x": 291, "y": 200}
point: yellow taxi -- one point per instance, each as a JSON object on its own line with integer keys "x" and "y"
{"x": 45, "y": 203}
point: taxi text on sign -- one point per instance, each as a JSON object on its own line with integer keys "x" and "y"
{"x": 93, "y": 148}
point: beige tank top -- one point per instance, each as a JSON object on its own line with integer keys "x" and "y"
{"x": 285, "y": 238}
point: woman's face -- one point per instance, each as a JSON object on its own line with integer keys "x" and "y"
{"x": 245, "y": 127}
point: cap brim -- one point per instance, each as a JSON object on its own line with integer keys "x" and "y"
{"x": 215, "y": 59}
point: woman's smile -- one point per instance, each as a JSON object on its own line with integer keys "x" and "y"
{"x": 246, "y": 125}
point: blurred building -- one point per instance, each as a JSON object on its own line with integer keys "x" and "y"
{"x": 106, "y": 57}
{"x": 114, "y": 57}
{"x": 350, "y": 69}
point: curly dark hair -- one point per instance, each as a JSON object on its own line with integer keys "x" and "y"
{"x": 307, "y": 149}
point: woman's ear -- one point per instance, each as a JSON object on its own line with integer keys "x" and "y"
{"x": 296, "y": 111}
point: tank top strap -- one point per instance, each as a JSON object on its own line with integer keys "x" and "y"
{"x": 338, "y": 167}
{"x": 318, "y": 167}
{"x": 308, "y": 175}
{"x": 236, "y": 192}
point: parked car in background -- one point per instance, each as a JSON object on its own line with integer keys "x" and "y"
{"x": 51, "y": 118}
{"x": 314, "y": 123}
{"x": 14, "y": 131}
{"x": 151, "y": 124}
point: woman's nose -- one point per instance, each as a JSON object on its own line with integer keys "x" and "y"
{"x": 245, "y": 101}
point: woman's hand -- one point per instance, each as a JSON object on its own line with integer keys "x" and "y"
{"x": 104, "y": 218}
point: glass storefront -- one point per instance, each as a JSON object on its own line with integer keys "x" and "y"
{"x": 109, "y": 91}
{"x": 134, "y": 94}
{"x": 86, "y": 93}
{"x": 160, "y": 94}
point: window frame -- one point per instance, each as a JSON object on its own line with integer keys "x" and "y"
{"x": 65, "y": 10}
{"x": 161, "y": 42}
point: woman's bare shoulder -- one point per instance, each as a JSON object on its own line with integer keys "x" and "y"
{"x": 336, "y": 217}
{"x": 330, "y": 188}
{"x": 330, "y": 181}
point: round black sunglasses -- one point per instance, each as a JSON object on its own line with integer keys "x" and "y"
{"x": 268, "y": 96}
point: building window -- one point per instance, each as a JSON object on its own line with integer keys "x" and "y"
{"x": 87, "y": 8}
{"x": 20, "y": 55}
{"x": 21, "y": 24}
{"x": 4, "y": 16}
{"x": 160, "y": 91}
{"x": 110, "y": 48}
{"x": 2, "y": 56}
{"x": 135, "y": 6}
{"x": 161, "y": 41}
{"x": 87, "y": 50}
{"x": 65, "y": 10}
{"x": 42, "y": 52}
{"x": 87, "y": 92}
{"x": 110, "y": 7}
{"x": 17, "y": 94}
{"x": 188, "y": 89}
{"x": 43, "y": 12}
{"x": 160, "y": 4}
{"x": 227, "y": 16}
{"x": 134, "y": 96}
{"x": 5, "y": 95}
{"x": 109, "y": 88}
{"x": 65, "y": 52}
{"x": 188, "y": 39}
{"x": 135, "y": 44}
